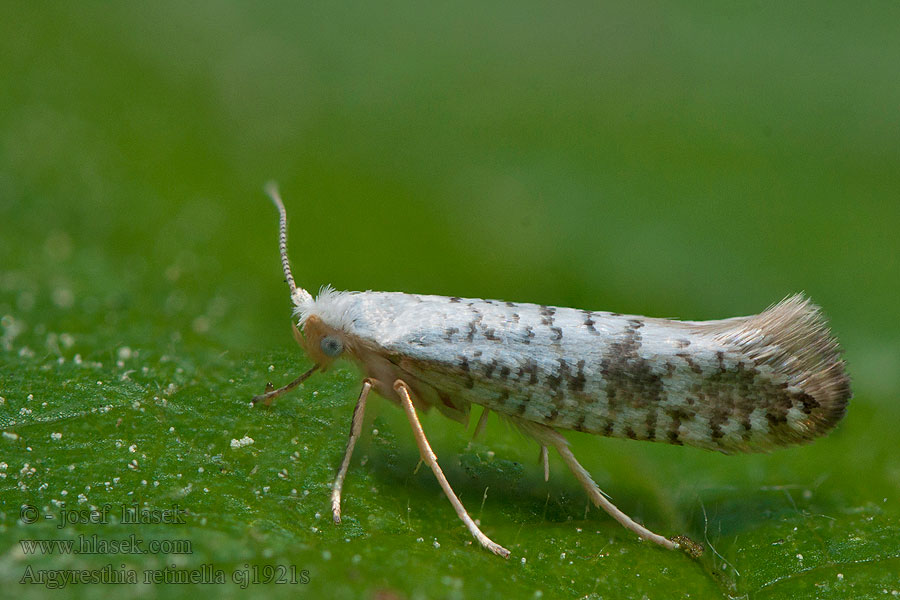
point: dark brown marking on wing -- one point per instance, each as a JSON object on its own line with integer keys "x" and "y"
{"x": 455, "y": 299}
{"x": 547, "y": 313}
{"x": 809, "y": 403}
{"x": 650, "y": 421}
{"x": 612, "y": 405}
{"x": 529, "y": 368}
{"x": 464, "y": 365}
{"x": 523, "y": 406}
{"x": 578, "y": 380}
{"x": 449, "y": 333}
{"x": 677, "y": 416}
{"x": 690, "y": 362}
{"x": 490, "y": 368}
{"x": 777, "y": 412}
{"x": 551, "y": 416}
{"x": 529, "y": 334}
{"x": 489, "y": 334}
{"x": 555, "y": 380}
{"x": 504, "y": 372}
{"x": 732, "y": 395}
{"x": 579, "y": 424}
{"x": 717, "y": 417}
{"x": 589, "y": 321}
{"x": 557, "y": 334}
{"x": 631, "y": 383}
{"x": 720, "y": 359}
{"x": 472, "y": 328}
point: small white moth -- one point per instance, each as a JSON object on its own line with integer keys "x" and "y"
{"x": 735, "y": 385}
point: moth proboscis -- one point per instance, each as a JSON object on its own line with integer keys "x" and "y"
{"x": 745, "y": 384}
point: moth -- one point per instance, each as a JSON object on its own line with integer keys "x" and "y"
{"x": 745, "y": 384}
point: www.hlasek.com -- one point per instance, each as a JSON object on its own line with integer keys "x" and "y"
{"x": 94, "y": 544}
{"x": 204, "y": 574}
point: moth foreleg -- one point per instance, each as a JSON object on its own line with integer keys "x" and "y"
{"x": 272, "y": 394}
{"x": 355, "y": 430}
{"x": 431, "y": 460}
{"x": 550, "y": 437}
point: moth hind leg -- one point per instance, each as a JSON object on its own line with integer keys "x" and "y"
{"x": 547, "y": 436}
{"x": 545, "y": 461}
{"x": 430, "y": 459}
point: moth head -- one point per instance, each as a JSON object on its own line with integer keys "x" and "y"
{"x": 322, "y": 343}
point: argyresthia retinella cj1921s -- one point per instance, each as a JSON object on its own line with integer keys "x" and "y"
{"x": 744, "y": 384}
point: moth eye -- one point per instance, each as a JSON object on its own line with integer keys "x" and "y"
{"x": 331, "y": 346}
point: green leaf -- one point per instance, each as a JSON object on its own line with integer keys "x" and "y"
{"x": 675, "y": 162}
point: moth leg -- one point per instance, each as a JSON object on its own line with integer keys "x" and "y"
{"x": 272, "y": 394}
{"x": 600, "y": 500}
{"x": 355, "y": 430}
{"x": 545, "y": 460}
{"x": 482, "y": 421}
{"x": 551, "y": 437}
{"x": 431, "y": 460}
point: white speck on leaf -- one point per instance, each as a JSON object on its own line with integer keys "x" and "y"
{"x": 244, "y": 441}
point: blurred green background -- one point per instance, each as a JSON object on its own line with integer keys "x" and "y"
{"x": 694, "y": 160}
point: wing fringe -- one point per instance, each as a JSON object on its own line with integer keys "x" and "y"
{"x": 793, "y": 338}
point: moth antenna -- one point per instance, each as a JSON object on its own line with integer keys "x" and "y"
{"x": 298, "y": 294}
